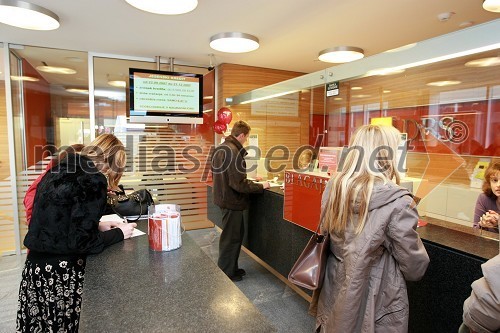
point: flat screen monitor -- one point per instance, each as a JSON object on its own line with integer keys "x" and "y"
{"x": 163, "y": 97}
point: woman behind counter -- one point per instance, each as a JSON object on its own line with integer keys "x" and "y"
{"x": 374, "y": 246}
{"x": 486, "y": 214}
{"x": 69, "y": 202}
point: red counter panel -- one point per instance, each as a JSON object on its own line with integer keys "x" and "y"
{"x": 302, "y": 202}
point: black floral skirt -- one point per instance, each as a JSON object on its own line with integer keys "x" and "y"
{"x": 50, "y": 294}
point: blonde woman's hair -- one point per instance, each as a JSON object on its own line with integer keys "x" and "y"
{"x": 108, "y": 154}
{"x": 371, "y": 157}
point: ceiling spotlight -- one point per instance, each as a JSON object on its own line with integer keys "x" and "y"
{"x": 443, "y": 83}
{"x": 484, "y": 62}
{"x": 117, "y": 83}
{"x": 166, "y": 7}
{"x": 341, "y": 54}
{"x": 78, "y": 91}
{"x": 402, "y": 48}
{"x": 385, "y": 71}
{"x": 24, "y": 78}
{"x": 56, "y": 70}
{"x": 234, "y": 42}
{"x": 26, "y": 15}
{"x": 492, "y": 5}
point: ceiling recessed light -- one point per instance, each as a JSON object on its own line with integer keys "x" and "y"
{"x": 360, "y": 96}
{"x": 341, "y": 54}
{"x": 78, "y": 91}
{"x": 117, "y": 83}
{"x": 492, "y": 6}
{"x": 24, "y": 78}
{"x": 484, "y": 62}
{"x": 56, "y": 70}
{"x": 402, "y": 48}
{"x": 443, "y": 83}
{"x": 234, "y": 42}
{"x": 385, "y": 71}
{"x": 26, "y": 15}
{"x": 386, "y": 91}
{"x": 166, "y": 7}
{"x": 337, "y": 99}
{"x": 356, "y": 88}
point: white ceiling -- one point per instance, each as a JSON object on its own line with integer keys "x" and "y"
{"x": 291, "y": 32}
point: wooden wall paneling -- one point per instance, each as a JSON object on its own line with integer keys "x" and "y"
{"x": 272, "y": 130}
{"x": 4, "y": 147}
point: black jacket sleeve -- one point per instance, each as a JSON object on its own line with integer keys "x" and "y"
{"x": 68, "y": 206}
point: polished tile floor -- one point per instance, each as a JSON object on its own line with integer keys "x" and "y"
{"x": 286, "y": 310}
{"x": 10, "y": 276}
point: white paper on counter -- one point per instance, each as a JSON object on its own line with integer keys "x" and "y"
{"x": 116, "y": 218}
{"x": 271, "y": 184}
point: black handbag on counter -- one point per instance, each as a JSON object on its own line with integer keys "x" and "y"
{"x": 131, "y": 206}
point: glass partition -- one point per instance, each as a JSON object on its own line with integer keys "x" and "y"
{"x": 45, "y": 116}
{"x": 444, "y": 93}
{"x": 7, "y": 225}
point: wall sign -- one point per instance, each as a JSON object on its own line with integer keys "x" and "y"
{"x": 332, "y": 89}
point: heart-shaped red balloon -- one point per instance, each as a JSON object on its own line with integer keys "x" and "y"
{"x": 220, "y": 127}
{"x": 225, "y": 115}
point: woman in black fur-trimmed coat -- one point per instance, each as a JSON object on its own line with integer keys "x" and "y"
{"x": 64, "y": 228}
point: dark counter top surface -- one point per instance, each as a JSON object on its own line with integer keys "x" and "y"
{"x": 479, "y": 247}
{"x": 130, "y": 288}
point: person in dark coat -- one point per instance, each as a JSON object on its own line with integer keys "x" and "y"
{"x": 231, "y": 190}
{"x": 64, "y": 229}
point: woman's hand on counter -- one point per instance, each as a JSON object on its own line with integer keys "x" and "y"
{"x": 107, "y": 225}
{"x": 489, "y": 219}
{"x": 266, "y": 185}
{"x": 127, "y": 229}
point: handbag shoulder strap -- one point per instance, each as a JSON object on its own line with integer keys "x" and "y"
{"x": 321, "y": 220}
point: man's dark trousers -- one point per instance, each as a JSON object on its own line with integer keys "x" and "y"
{"x": 230, "y": 240}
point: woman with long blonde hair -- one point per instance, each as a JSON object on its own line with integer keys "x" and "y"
{"x": 65, "y": 227}
{"x": 373, "y": 240}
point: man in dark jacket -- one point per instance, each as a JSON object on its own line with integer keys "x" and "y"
{"x": 231, "y": 190}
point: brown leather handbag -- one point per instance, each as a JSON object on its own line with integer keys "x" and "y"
{"x": 309, "y": 269}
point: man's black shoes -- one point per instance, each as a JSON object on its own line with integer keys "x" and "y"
{"x": 238, "y": 275}
{"x": 236, "y": 278}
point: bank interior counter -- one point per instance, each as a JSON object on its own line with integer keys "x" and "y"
{"x": 279, "y": 227}
{"x": 131, "y": 288}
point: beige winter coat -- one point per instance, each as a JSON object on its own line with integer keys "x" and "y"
{"x": 364, "y": 288}
{"x": 482, "y": 308}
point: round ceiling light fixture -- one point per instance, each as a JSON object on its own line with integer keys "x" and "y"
{"x": 56, "y": 70}
{"x": 234, "y": 42}
{"x": 341, "y": 54}
{"x": 492, "y": 5}
{"x": 165, "y": 7}
{"x": 26, "y": 15}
